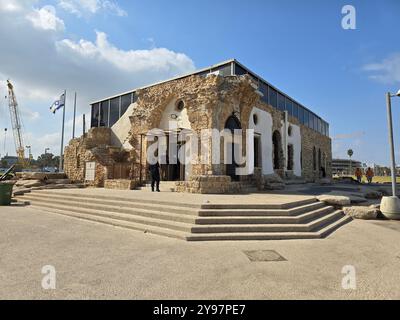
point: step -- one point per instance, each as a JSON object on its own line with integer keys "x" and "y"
{"x": 265, "y": 219}
{"x": 287, "y": 205}
{"x": 179, "y": 226}
{"x": 262, "y": 212}
{"x": 249, "y": 236}
{"x": 307, "y": 227}
{"x": 115, "y": 198}
{"x": 120, "y": 223}
{"x": 114, "y": 204}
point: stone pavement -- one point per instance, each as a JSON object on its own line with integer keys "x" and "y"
{"x": 95, "y": 261}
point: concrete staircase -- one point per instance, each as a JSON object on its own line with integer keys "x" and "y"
{"x": 165, "y": 186}
{"x": 305, "y": 219}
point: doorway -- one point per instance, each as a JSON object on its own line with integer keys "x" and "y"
{"x": 230, "y": 168}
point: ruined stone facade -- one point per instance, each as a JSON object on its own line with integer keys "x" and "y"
{"x": 285, "y": 147}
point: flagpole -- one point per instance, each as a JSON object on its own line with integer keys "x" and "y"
{"x": 60, "y": 169}
{"x": 73, "y": 124}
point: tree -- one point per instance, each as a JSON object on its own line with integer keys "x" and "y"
{"x": 47, "y": 160}
{"x": 4, "y": 163}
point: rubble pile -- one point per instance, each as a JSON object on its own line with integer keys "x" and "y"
{"x": 28, "y": 181}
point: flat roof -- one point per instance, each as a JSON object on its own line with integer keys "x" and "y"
{"x": 164, "y": 81}
{"x": 206, "y": 69}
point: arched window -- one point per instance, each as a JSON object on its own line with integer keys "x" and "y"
{"x": 277, "y": 150}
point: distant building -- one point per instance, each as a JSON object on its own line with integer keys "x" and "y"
{"x": 10, "y": 160}
{"x": 345, "y": 166}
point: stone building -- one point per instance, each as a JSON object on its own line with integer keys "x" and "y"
{"x": 287, "y": 140}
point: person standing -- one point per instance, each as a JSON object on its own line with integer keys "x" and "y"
{"x": 369, "y": 174}
{"x": 155, "y": 176}
{"x": 358, "y": 174}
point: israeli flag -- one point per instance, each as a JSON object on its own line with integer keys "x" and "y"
{"x": 58, "y": 104}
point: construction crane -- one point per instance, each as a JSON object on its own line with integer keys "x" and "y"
{"x": 16, "y": 124}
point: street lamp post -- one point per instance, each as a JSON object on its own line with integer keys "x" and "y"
{"x": 390, "y": 206}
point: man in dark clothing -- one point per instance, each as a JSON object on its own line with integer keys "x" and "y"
{"x": 155, "y": 176}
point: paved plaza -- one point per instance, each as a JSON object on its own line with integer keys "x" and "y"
{"x": 96, "y": 261}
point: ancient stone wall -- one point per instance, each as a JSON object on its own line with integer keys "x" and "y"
{"x": 93, "y": 146}
{"x": 209, "y": 102}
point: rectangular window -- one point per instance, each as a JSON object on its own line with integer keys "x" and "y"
{"x": 289, "y": 106}
{"x": 273, "y": 97}
{"x": 104, "y": 114}
{"x": 94, "y": 122}
{"x": 315, "y": 123}
{"x": 264, "y": 90}
{"x": 301, "y": 114}
{"x": 281, "y": 102}
{"x": 296, "y": 110}
{"x": 125, "y": 102}
{"x": 224, "y": 70}
{"x": 114, "y": 111}
{"x": 239, "y": 70}
{"x": 310, "y": 120}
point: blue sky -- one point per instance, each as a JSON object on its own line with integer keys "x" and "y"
{"x": 100, "y": 47}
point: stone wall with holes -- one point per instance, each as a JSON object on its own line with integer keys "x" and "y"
{"x": 94, "y": 146}
{"x": 312, "y": 163}
{"x": 208, "y": 102}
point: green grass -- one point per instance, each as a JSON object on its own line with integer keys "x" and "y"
{"x": 379, "y": 179}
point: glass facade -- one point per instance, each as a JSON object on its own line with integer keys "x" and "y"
{"x": 114, "y": 111}
{"x": 104, "y": 113}
{"x": 107, "y": 112}
{"x": 94, "y": 122}
{"x": 281, "y": 102}
{"x": 126, "y": 100}
{"x": 273, "y": 97}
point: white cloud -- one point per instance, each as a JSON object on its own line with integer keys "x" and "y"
{"x": 45, "y": 18}
{"x": 387, "y": 71}
{"x": 41, "y": 64}
{"x": 158, "y": 59}
{"x": 81, "y": 7}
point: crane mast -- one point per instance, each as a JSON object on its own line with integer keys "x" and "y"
{"x": 16, "y": 123}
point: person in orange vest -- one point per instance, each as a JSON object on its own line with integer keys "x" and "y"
{"x": 358, "y": 174}
{"x": 369, "y": 174}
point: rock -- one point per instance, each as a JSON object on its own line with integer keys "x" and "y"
{"x": 375, "y": 206}
{"x": 28, "y": 183}
{"x": 384, "y": 192}
{"x": 274, "y": 186}
{"x": 272, "y": 178}
{"x": 357, "y": 199}
{"x": 325, "y": 181}
{"x": 40, "y": 175}
{"x": 58, "y": 181}
{"x": 358, "y": 212}
{"x": 372, "y": 194}
{"x": 334, "y": 200}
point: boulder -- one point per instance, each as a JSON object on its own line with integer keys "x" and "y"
{"x": 272, "y": 178}
{"x": 28, "y": 183}
{"x": 357, "y": 199}
{"x": 334, "y": 200}
{"x": 58, "y": 181}
{"x": 358, "y": 212}
{"x": 325, "y": 181}
{"x": 372, "y": 194}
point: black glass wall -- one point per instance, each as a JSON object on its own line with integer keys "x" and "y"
{"x": 283, "y": 102}
{"x": 104, "y": 114}
{"x": 94, "y": 122}
{"x": 114, "y": 111}
{"x": 108, "y": 112}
